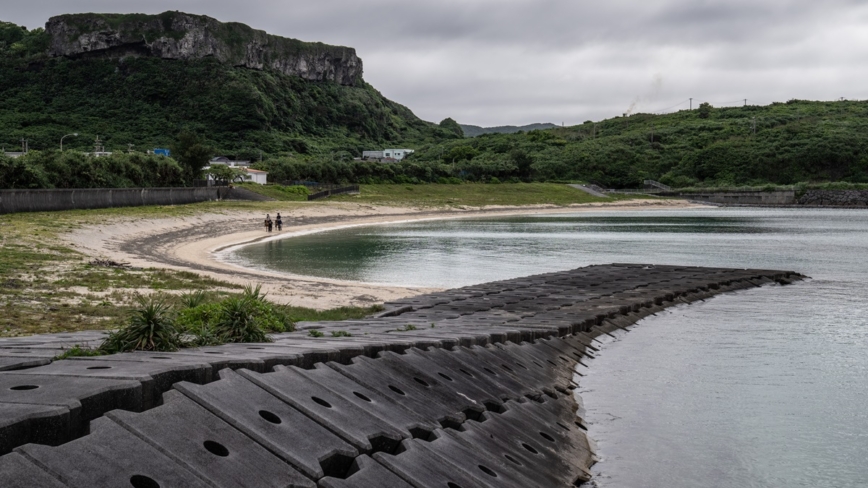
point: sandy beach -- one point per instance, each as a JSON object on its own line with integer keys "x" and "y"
{"x": 193, "y": 243}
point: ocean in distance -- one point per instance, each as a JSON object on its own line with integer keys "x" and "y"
{"x": 764, "y": 387}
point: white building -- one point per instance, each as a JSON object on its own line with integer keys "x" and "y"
{"x": 387, "y": 155}
{"x": 398, "y": 154}
{"x": 255, "y": 176}
{"x": 229, "y": 162}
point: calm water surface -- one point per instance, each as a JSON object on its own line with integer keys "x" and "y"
{"x": 764, "y": 387}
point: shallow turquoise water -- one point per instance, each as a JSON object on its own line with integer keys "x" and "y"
{"x": 765, "y": 387}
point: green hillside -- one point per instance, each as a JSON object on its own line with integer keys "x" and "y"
{"x": 796, "y": 141}
{"x": 148, "y": 101}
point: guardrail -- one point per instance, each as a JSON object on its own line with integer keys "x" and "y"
{"x": 334, "y": 191}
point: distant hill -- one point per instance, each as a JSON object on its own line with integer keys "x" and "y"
{"x": 475, "y": 130}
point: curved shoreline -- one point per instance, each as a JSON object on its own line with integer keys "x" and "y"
{"x": 191, "y": 244}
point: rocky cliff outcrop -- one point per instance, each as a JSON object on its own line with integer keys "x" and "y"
{"x": 176, "y": 35}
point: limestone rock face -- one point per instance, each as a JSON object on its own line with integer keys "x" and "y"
{"x": 176, "y": 35}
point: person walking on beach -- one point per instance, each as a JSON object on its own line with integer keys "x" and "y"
{"x": 279, "y": 222}
{"x": 267, "y": 222}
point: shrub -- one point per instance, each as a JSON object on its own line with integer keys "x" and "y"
{"x": 151, "y": 328}
{"x": 237, "y": 321}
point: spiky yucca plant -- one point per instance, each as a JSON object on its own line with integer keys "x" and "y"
{"x": 238, "y": 321}
{"x": 150, "y": 328}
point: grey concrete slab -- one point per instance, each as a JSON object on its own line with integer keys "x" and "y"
{"x": 155, "y": 377}
{"x": 366, "y": 473}
{"x": 349, "y": 421}
{"x": 110, "y": 456}
{"x": 423, "y": 468}
{"x": 400, "y": 389}
{"x": 482, "y": 464}
{"x": 433, "y": 387}
{"x": 503, "y": 386}
{"x": 375, "y": 403}
{"x": 283, "y": 430}
{"x": 84, "y": 398}
{"x": 44, "y": 424}
{"x": 18, "y": 472}
{"x": 18, "y": 363}
{"x": 454, "y": 376}
{"x": 191, "y": 436}
{"x": 514, "y": 453}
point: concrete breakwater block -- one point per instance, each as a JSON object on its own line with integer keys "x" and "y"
{"x": 462, "y": 388}
{"x": 65, "y": 405}
{"x": 306, "y": 445}
{"x": 204, "y": 444}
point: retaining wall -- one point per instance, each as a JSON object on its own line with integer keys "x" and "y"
{"x": 770, "y": 198}
{"x": 835, "y": 198}
{"x": 13, "y": 201}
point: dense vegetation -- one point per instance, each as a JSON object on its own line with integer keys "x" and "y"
{"x": 312, "y": 131}
{"x": 148, "y": 102}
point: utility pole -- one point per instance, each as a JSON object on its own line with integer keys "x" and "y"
{"x": 691, "y": 104}
{"x": 745, "y": 102}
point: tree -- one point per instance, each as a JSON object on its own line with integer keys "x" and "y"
{"x": 460, "y": 153}
{"x": 704, "y": 110}
{"x": 452, "y": 127}
{"x": 192, "y": 153}
{"x": 223, "y": 173}
{"x": 524, "y": 162}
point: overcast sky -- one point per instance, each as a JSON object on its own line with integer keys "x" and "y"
{"x": 499, "y": 62}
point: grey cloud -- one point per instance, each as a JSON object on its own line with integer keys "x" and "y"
{"x": 494, "y": 62}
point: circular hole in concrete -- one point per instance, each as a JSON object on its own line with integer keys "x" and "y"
{"x": 564, "y": 359}
{"x": 216, "y": 448}
{"x": 529, "y": 448}
{"x": 270, "y": 417}
{"x": 563, "y": 426}
{"x": 363, "y": 397}
{"x": 447, "y": 378}
{"x": 547, "y": 437}
{"x": 322, "y": 402}
{"x": 512, "y": 459}
{"x": 397, "y": 390}
{"x": 24, "y": 387}
{"x": 467, "y": 373}
{"x": 452, "y": 485}
{"x": 506, "y": 368}
{"x": 521, "y": 366}
{"x": 100, "y": 367}
{"x": 422, "y": 382}
{"x": 550, "y": 362}
{"x": 139, "y": 481}
{"x": 488, "y": 471}
{"x": 490, "y": 372}
{"x": 538, "y": 364}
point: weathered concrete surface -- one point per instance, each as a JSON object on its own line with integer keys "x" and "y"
{"x": 472, "y": 387}
{"x": 13, "y": 201}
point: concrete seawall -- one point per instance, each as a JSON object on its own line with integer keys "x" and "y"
{"x": 14, "y": 201}
{"x": 758, "y": 198}
{"x": 471, "y": 387}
